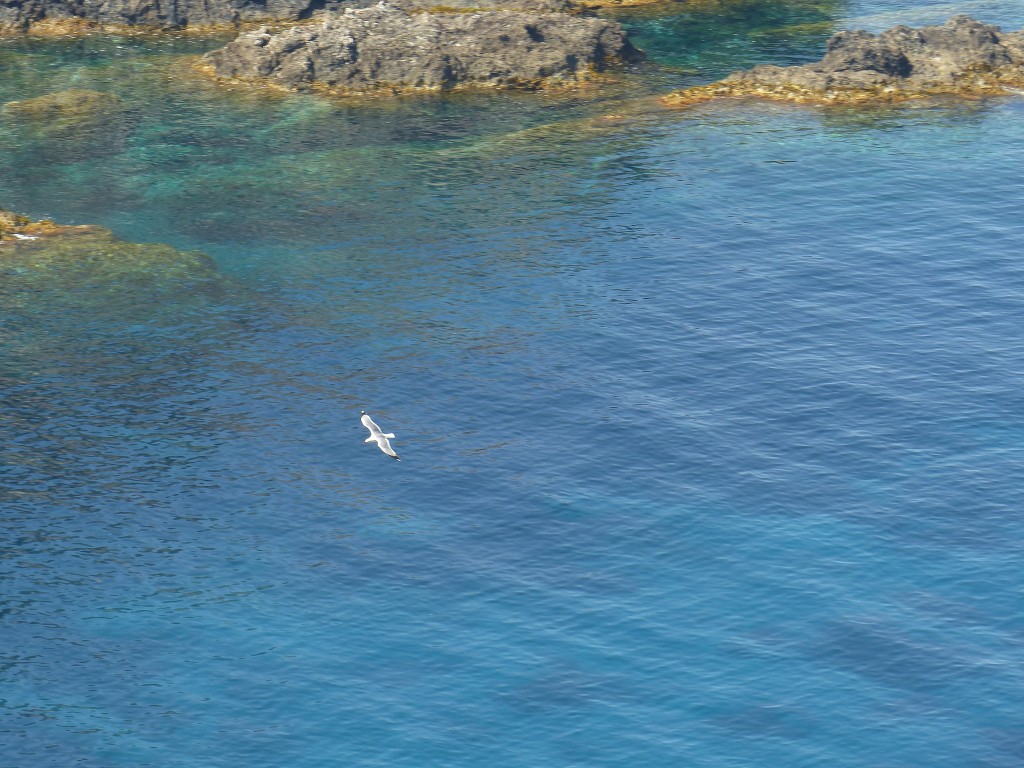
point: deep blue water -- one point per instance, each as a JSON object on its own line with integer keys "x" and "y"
{"x": 712, "y": 423}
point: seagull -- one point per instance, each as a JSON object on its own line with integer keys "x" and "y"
{"x": 378, "y": 437}
{"x": 25, "y": 237}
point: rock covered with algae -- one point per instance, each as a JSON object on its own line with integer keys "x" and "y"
{"x": 91, "y": 263}
{"x": 384, "y": 48}
{"x": 75, "y": 123}
{"x": 14, "y": 228}
{"x": 962, "y": 57}
{"x": 73, "y": 104}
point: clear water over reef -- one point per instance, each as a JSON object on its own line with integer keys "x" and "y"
{"x": 711, "y": 421}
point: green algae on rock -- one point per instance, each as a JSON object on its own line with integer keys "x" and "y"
{"x": 75, "y": 105}
{"x": 962, "y": 57}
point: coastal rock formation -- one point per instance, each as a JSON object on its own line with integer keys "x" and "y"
{"x": 56, "y": 16}
{"x": 63, "y": 17}
{"x": 963, "y": 57}
{"x": 383, "y": 48}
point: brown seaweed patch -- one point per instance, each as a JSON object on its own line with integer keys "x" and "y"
{"x": 12, "y": 222}
{"x": 18, "y": 228}
{"x": 980, "y": 85}
{"x": 63, "y": 27}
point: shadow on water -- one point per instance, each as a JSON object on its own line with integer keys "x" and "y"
{"x": 885, "y": 655}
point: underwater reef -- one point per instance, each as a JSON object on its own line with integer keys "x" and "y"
{"x": 77, "y": 123}
{"x": 90, "y": 260}
{"x": 963, "y": 57}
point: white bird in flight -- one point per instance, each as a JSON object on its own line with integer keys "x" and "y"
{"x": 378, "y": 437}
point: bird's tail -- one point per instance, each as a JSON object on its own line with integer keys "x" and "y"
{"x": 389, "y": 435}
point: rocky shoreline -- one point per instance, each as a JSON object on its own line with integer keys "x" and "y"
{"x": 59, "y": 17}
{"x": 962, "y": 57}
{"x": 387, "y": 49}
{"x": 355, "y": 47}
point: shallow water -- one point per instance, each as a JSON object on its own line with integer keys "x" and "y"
{"x": 710, "y": 422}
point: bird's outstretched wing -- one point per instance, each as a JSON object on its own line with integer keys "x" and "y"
{"x": 384, "y": 445}
{"x": 369, "y": 424}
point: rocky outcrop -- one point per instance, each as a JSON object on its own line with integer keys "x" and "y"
{"x": 963, "y": 57}
{"x": 16, "y": 228}
{"x": 56, "y": 16}
{"x": 66, "y": 17}
{"x": 383, "y": 48}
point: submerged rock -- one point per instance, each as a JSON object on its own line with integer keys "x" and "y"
{"x": 75, "y": 104}
{"x": 89, "y": 261}
{"x": 75, "y": 123}
{"x": 963, "y": 57}
{"x": 383, "y": 48}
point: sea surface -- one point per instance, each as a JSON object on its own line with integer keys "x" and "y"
{"x": 711, "y": 421}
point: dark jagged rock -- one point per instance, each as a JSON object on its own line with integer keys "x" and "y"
{"x": 64, "y": 17}
{"x": 963, "y": 57}
{"x": 383, "y": 48}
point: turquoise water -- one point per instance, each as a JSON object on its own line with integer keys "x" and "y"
{"x": 711, "y": 422}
